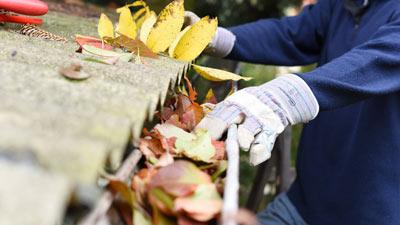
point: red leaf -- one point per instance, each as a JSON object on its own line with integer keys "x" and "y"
{"x": 219, "y": 149}
{"x": 88, "y": 40}
{"x": 180, "y": 178}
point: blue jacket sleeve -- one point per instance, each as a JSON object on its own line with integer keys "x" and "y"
{"x": 288, "y": 41}
{"x": 371, "y": 69}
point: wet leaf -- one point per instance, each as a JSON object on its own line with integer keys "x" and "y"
{"x": 203, "y": 205}
{"x": 167, "y": 27}
{"x": 127, "y": 25}
{"x": 217, "y": 75}
{"x": 147, "y": 26}
{"x": 105, "y": 27}
{"x": 196, "y": 39}
{"x": 199, "y": 149}
{"x": 180, "y": 178}
{"x": 74, "y": 72}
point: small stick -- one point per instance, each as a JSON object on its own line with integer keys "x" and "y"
{"x": 105, "y": 202}
{"x": 231, "y": 190}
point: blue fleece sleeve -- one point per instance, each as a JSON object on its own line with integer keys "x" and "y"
{"x": 288, "y": 41}
{"x": 371, "y": 69}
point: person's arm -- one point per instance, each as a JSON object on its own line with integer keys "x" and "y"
{"x": 288, "y": 41}
{"x": 371, "y": 69}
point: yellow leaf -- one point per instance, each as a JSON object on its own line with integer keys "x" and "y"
{"x": 139, "y": 13}
{"x": 169, "y": 24}
{"x": 171, "y": 49}
{"x": 217, "y": 75}
{"x": 105, "y": 27}
{"x": 195, "y": 40}
{"x": 140, "y": 21}
{"x": 134, "y": 4}
{"x": 147, "y": 26}
{"x": 127, "y": 25}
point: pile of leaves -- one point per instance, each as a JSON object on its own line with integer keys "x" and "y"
{"x": 146, "y": 34}
{"x": 182, "y": 180}
{"x": 183, "y": 177}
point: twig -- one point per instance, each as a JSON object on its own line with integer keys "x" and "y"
{"x": 105, "y": 202}
{"x": 231, "y": 191}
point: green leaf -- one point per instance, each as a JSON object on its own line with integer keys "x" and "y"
{"x": 171, "y": 131}
{"x": 222, "y": 166}
{"x": 98, "y": 52}
{"x": 200, "y": 148}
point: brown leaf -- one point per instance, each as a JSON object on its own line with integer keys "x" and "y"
{"x": 134, "y": 46}
{"x": 74, "y": 72}
{"x": 119, "y": 187}
{"x": 151, "y": 147}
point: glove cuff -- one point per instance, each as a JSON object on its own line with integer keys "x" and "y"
{"x": 222, "y": 44}
{"x": 293, "y": 96}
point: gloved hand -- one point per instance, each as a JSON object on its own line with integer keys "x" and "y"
{"x": 263, "y": 112}
{"x": 223, "y": 41}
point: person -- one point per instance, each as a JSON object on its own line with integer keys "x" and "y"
{"x": 348, "y": 164}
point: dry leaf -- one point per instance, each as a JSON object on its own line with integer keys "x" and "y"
{"x": 140, "y": 219}
{"x": 146, "y": 27}
{"x": 217, "y": 75}
{"x": 74, "y": 72}
{"x": 106, "y": 54}
{"x": 88, "y": 40}
{"x": 199, "y": 149}
{"x": 135, "y": 46}
{"x": 105, "y": 27}
{"x": 203, "y": 205}
{"x": 127, "y": 25}
{"x": 179, "y": 179}
{"x": 172, "y": 47}
{"x": 210, "y": 97}
{"x": 167, "y": 27}
{"x": 196, "y": 39}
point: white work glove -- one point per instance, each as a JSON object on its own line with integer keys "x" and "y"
{"x": 263, "y": 112}
{"x": 223, "y": 41}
